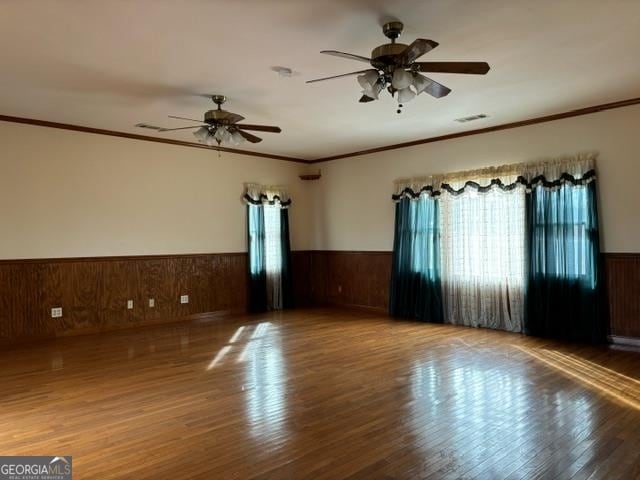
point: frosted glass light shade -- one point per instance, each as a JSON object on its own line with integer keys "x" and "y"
{"x": 201, "y": 134}
{"x": 405, "y": 95}
{"x": 237, "y": 138}
{"x": 219, "y": 135}
{"x": 369, "y": 79}
{"x": 211, "y": 140}
{"x": 401, "y": 79}
{"x": 420, "y": 82}
{"x": 373, "y": 91}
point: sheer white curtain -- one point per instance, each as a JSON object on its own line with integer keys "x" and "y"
{"x": 483, "y": 234}
{"x": 273, "y": 255}
{"x": 483, "y": 258}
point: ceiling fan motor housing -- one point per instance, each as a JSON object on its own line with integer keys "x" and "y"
{"x": 386, "y": 55}
{"x": 214, "y": 116}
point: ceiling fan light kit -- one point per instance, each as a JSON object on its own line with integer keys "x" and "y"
{"x": 367, "y": 80}
{"x": 395, "y": 68}
{"x": 220, "y": 126}
{"x": 405, "y": 95}
{"x": 401, "y": 79}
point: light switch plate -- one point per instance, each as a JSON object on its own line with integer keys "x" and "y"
{"x": 56, "y": 312}
{"x": 130, "y": 304}
{"x": 152, "y": 303}
{"x": 184, "y": 298}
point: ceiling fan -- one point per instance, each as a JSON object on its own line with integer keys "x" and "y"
{"x": 395, "y": 67}
{"x": 219, "y": 126}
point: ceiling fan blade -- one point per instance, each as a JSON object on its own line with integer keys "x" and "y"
{"x": 416, "y": 49}
{"x": 181, "y": 128}
{"x": 229, "y": 117}
{"x": 259, "y": 128}
{"x": 339, "y": 76}
{"x": 249, "y": 137}
{"x": 147, "y": 125}
{"x": 436, "y": 89}
{"x": 183, "y": 118}
{"x": 366, "y": 99}
{"x": 473, "y": 68}
{"x": 349, "y": 56}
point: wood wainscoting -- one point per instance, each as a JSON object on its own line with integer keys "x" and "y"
{"x": 361, "y": 279}
{"x": 622, "y": 279}
{"x": 93, "y": 292}
{"x": 342, "y": 278}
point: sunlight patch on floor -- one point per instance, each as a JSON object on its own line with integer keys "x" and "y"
{"x": 614, "y": 384}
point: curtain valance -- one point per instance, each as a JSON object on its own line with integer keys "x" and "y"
{"x": 256, "y": 194}
{"x": 577, "y": 170}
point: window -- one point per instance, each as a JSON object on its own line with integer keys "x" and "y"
{"x": 483, "y": 258}
{"x": 268, "y": 257}
{"x": 272, "y": 240}
{"x": 564, "y": 232}
{"x": 424, "y": 231}
{"x": 515, "y": 242}
{"x": 484, "y": 237}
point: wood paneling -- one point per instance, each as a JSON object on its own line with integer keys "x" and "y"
{"x": 362, "y": 279}
{"x": 348, "y": 278}
{"x": 302, "y": 279}
{"x": 622, "y": 274}
{"x": 323, "y": 394}
{"x": 93, "y": 292}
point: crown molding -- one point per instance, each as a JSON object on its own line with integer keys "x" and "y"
{"x": 133, "y": 136}
{"x": 396, "y": 146}
{"x": 495, "y": 128}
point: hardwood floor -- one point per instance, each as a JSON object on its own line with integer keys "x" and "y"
{"x": 323, "y": 394}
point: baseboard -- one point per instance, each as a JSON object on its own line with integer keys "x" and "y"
{"x": 627, "y": 342}
{"x": 361, "y": 308}
{"x": 195, "y": 318}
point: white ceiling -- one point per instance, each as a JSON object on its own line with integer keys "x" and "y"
{"x": 114, "y": 63}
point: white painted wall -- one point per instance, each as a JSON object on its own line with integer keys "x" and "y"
{"x": 353, "y": 206}
{"x": 71, "y": 194}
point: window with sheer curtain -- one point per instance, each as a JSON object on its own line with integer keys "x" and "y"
{"x": 272, "y": 240}
{"x": 483, "y": 258}
{"x": 273, "y": 254}
{"x": 514, "y": 239}
{"x": 269, "y": 248}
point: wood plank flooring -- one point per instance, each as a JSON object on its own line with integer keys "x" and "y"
{"x": 323, "y": 394}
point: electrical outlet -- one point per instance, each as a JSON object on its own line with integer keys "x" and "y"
{"x": 152, "y": 303}
{"x": 56, "y": 312}
{"x": 184, "y": 298}
{"x": 129, "y": 304}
